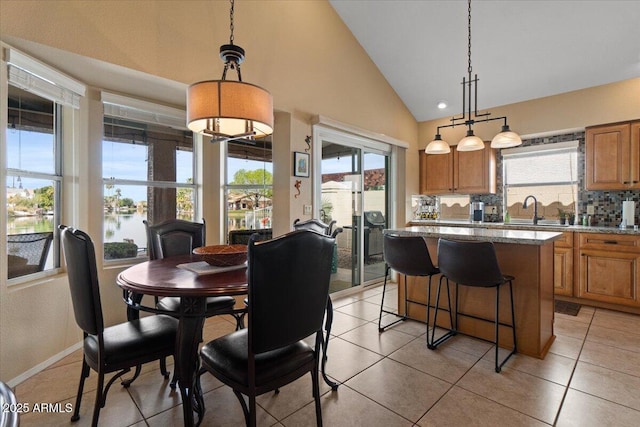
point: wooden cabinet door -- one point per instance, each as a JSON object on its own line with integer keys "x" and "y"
{"x": 608, "y": 157}
{"x": 634, "y": 154}
{"x": 436, "y": 173}
{"x": 563, "y": 265}
{"x": 474, "y": 172}
{"x": 563, "y": 271}
{"x": 609, "y": 276}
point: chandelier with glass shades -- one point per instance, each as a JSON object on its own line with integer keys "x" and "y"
{"x": 506, "y": 138}
{"x": 226, "y": 109}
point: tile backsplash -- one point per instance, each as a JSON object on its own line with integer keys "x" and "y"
{"x": 607, "y": 205}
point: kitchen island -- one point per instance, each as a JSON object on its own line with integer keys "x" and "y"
{"x": 526, "y": 255}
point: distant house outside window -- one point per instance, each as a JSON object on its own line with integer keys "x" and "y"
{"x": 249, "y": 185}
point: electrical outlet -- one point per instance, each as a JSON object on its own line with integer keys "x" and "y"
{"x": 307, "y": 209}
{"x": 590, "y": 210}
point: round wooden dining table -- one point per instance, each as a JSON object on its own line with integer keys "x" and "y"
{"x": 163, "y": 278}
{"x": 167, "y": 277}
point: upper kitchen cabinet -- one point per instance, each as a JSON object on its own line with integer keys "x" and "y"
{"x": 463, "y": 172}
{"x": 613, "y": 156}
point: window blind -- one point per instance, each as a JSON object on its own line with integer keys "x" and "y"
{"x": 124, "y": 107}
{"x": 35, "y": 77}
{"x": 555, "y": 164}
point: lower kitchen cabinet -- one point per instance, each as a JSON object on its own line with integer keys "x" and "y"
{"x": 609, "y": 268}
{"x": 563, "y": 265}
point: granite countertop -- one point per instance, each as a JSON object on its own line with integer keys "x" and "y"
{"x": 523, "y": 226}
{"x": 481, "y": 234}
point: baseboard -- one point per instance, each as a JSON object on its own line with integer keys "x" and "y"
{"x": 44, "y": 365}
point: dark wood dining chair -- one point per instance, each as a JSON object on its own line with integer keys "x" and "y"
{"x": 326, "y": 229}
{"x": 115, "y": 348}
{"x": 288, "y": 280}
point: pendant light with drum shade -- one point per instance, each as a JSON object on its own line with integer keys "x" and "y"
{"x": 226, "y": 109}
{"x": 506, "y": 138}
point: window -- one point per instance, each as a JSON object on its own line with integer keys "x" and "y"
{"x": 37, "y": 99}
{"x": 249, "y": 185}
{"x": 32, "y": 181}
{"x": 548, "y": 172}
{"x": 148, "y": 173}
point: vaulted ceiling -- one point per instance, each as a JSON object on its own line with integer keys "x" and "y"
{"x": 521, "y": 49}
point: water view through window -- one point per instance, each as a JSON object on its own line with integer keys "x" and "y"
{"x": 147, "y": 175}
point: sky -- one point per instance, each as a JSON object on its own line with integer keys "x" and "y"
{"x": 34, "y": 151}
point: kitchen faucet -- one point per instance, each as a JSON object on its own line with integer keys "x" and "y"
{"x": 535, "y": 208}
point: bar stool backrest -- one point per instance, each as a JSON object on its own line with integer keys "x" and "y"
{"x": 469, "y": 263}
{"x": 408, "y": 255}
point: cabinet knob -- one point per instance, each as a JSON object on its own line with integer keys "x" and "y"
{"x": 610, "y": 242}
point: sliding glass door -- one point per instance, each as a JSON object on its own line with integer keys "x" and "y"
{"x": 352, "y": 190}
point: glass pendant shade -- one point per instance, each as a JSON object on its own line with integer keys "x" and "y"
{"x": 506, "y": 139}
{"x": 470, "y": 143}
{"x": 226, "y": 109}
{"x": 437, "y": 146}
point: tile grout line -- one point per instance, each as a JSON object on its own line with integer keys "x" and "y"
{"x": 575, "y": 366}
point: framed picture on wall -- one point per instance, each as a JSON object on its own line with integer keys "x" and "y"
{"x": 301, "y": 164}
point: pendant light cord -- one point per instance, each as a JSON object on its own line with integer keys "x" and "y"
{"x": 231, "y": 24}
{"x": 469, "y": 37}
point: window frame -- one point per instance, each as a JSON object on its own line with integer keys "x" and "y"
{"x": 227, "y": 187}
{"x": 119, "y": 107}
{"x": 30, "y": 75}
{"x": 571, "y": 147}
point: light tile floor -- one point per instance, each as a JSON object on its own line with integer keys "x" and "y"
{"x": 591, "y": 377}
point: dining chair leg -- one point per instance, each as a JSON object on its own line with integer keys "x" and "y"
{"x": 243, "y": 404}
{"x": 239, "y": 320}
{"x": 84, "y": 373}
{"x": 163, "y": 368}
{"x": 99, "y": 400}
{"x": 252, "y": 411}
{"x": 136, "y": 373}
{"x": 316, "y": 395}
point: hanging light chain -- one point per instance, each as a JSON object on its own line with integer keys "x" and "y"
{"x": 231, "y": 20}
{"x": 469, "y": 37}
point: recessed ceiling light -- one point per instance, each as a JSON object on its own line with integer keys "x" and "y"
{"x": 442, "y": 105}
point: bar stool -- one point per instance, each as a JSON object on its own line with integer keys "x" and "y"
{"x": 472, "y": 264}
{"x": 407, "y": 255}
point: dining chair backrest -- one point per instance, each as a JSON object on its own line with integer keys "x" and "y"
{"x": 288, "y": 280}
{"x": 83, "y": 279}
{"x": 315, "y": 225}
{"x": 174, "y": 237}
{"x": 407, "y": 255}
{"x": 33, "y": 247}
{"x": 469, "y": 263}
